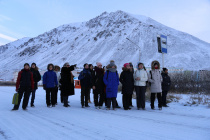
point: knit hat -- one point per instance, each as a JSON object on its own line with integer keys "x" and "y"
{"x": 33, "y": 64}
{"x": 98, "y": 63}
{"x": 112, "y": 63}
{"x": 126, "y": 65}
{"x": 26, "y": 64}
{"x": 164, "y": 69}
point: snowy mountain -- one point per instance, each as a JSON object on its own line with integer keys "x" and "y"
{"x": 103, "y": 38}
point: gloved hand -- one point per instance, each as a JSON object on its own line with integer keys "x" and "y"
{"x": 44, "y": 87}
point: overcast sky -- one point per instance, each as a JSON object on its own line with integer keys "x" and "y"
{"x": 29, "y": 18}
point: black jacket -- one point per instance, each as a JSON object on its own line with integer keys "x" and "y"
{"x": 36, "y": 76}
{"x": 127, "y": 80}
{"x": 66, "y": 87}
{"x": 97, "y": 80}
{"x": 166, "y": 84}
{"x": 85, "y": 78}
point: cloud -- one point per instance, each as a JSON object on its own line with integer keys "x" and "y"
{"x": 7, "y": 37}
{"x": 3, "y": 18}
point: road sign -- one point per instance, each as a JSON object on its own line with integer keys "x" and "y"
{"x": 162, "y": 43}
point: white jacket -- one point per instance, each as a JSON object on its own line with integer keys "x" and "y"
{"x": 142, "y": 74}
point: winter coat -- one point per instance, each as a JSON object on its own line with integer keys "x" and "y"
{"x": 126, "y": 78}
{"x": 25, "y": 79}
{"x": 97, "y": 80}
{"x": 58, "y": 74}
{"x": 67, "y": 85}
{"x": 166, "y": 84}
{"x": 50, "y": 79}
{"x": 143, "y": 77}
{"x": 155, "y": 78}
{"x": 85, "y": 78}
{"x": 36, "y": 76}
{"x": 111, "y": 80}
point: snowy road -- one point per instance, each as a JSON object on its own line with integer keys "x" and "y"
{"x": 42, "y": 123}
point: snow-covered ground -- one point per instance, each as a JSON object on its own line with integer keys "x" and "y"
{"x": 41, "y": 123}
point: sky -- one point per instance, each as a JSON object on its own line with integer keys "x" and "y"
{"x": 30, "y": 18}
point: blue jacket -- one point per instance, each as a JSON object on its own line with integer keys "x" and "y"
{"x": 111, "y": 81}
{"x": 85, "y": 78}
{"x": 50, "y": 79}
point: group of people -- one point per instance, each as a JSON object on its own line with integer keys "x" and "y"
{"x": 104, "y": 82}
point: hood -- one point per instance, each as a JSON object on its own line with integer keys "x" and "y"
{"x": 152, "y": 64}
{"x": 126, "y": 69}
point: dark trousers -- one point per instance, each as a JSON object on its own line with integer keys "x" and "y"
{"x": 140, "y": 96}
{"x": 126, "y": 101}
{"x": 33, "y": 96}
{"x": 50, "y": 96}
{"x": 56, "y": 95}
{"x": 153, "y": 99}
{"x": 61, "y": 98}
{"x": 26, "y": 91}
{"x": 99, "y": 99}
{"x": 65, "y": 100}
{"x": 113, "y": 100}
{"x": 164, "y": 94}
{"x": 85, "y": 91}
{"x": 130, "y": 99}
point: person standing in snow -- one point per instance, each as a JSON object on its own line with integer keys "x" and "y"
{"x": 111, "y": 80}
{"x": 49, "y": 84}
{"x": 91, "y": 71}
{"x": 131, "y": 104}
{"x": 98, "y": 85}
{"x": 67, "y": 82}
{"x": 140, "y": 78}
{"x": 165, "y": 86}
{"x": 86, "y": 83}
{"x": 24, "y": 85}
{"x": 57, "y": 71}
{"x": 126, "y": 78}
{"x": 155, "y": 79}
{"x": 37, "y": 78}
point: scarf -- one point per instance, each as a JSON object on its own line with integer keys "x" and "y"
{"x": 112, "y": 69}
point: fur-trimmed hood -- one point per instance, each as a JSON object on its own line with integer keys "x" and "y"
{"x": 153, "y": 66}
{"x": 126, "y": 69}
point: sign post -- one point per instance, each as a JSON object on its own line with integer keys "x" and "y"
{"x": 162, "y": 48}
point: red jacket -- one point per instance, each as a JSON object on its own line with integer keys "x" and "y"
{"x": 25, "y": 78}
